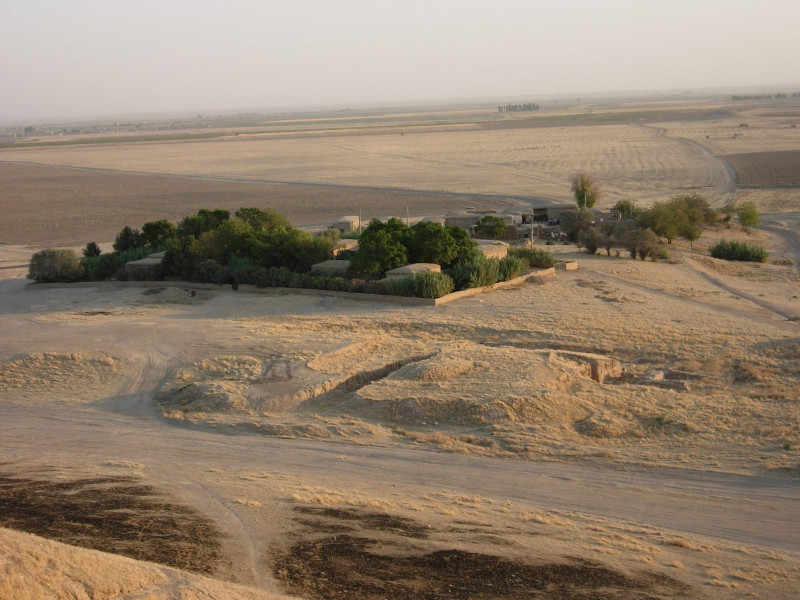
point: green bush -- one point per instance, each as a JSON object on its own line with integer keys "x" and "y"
{"x": 90, "y": 264}
{"x": 242, "y": 270}
{"x": 478, "y": 272}
{"x": 109, "y": 265}
{"x": 359, "y": 286}
{"x": 659, "y": 253}
{"x": 535, "y": 257}
{"x": 274, "y": 277}
{"x": 55, "y": 266}
{"x": 400, "y": 286}
{"x": 732, "y": 250}
{"x": 432, "y": 285}
{"x": 210, "y": 271}
{"x": 338, "y": 284}
{"x": 511, "y": 267}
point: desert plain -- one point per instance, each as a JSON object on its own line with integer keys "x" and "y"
{"x": 164, "y": 440}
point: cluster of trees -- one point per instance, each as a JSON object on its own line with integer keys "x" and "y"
{"x": 259, "y": 247}
{"x": 681, "y": 216}
{"x": 518, "y": 107}
{"x": 211, "y": 246}
{"x": 640, "y": 231}
{"x": 384, "y": 246}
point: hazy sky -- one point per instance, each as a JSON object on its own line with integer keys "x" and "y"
{"x": 83, "y": 58}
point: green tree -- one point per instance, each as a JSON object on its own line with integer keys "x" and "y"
{"x": 92, "y": 249}
{"x": 377, "y": 253}
{"x": 696, "y": 207}
{"x": 640, "y": 241}
{"x": 127, "y": 238}
{"x": 157, "y": 234}
{"x": 233, "y": 237}
{"x": 205, "y": 220}
{"x": 573, "y": 222}
{"x": 491, "y": 227}
{"x": 625, "y": 209}
{"x": 266, "y": 219}
{"x": 431, "y": 243}
{"x": 748, "y": 215}
{"x": 55, "y": 266}
{"x": 466, "y": 248}
{"x": 664, "y": 220}
{"x": 585, "y": 189}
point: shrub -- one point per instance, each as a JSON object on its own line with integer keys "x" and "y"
{"x": 109, "y": 265}
{"x": 273, "y": 277}
{"x": 90, "y": 264}
{"x": 359, "y": 286}
{"x": 338, "y": 284}
{"x": 479, "y": 272}
{"x": 592, "y": 239}
{"x": 512, "y": 266}
{"x": 659, "y": 253}
{"x": 487, "y": 272}
{"x": 55, "y": 266}
{"x": 210, "y": 271}
{"x": 400, "y": 286}
{"x": 301, "y": 280}
{"x": 535, "y": 257}
{"x": 242, "y": 270}
{"x": 432, "y": 285}
{"x": 732, "y": 250}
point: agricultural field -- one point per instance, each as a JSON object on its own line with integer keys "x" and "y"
{"x": 57, "y": 206}
{"x": 767, "y": 169}
{"x": 519, "y": 162}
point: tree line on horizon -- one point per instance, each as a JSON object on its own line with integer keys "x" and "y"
{"x": 518, "y": 107}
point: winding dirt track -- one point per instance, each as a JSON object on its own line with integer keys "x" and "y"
{"x": 727, "y": 184}
{"x": 725, "y": 507}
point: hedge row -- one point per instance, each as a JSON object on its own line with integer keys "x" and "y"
{"x": 732, "y": 250}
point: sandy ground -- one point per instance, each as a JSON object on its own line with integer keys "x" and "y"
{"x": 331, "y": 446}
{"x": 157, "y": 444}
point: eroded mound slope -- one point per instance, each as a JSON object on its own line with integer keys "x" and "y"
{"x": 59, "y": 375}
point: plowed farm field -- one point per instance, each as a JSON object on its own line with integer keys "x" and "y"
{"x": 631, "y": 161}
{"x": 759, "y": 169}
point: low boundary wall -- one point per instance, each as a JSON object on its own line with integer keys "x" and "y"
{"x": 408, "y": 301}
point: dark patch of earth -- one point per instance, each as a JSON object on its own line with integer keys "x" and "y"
{"x": 113, "y": 514}
{"x": 356, "y": 567}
